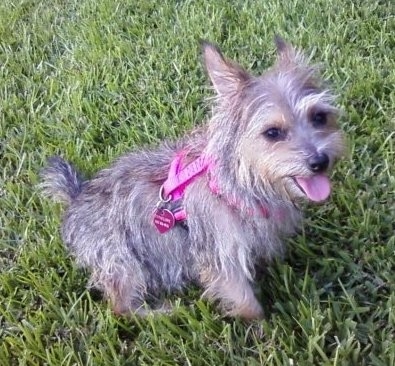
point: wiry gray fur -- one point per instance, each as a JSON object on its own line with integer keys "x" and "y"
{"x": 108, "y": 224}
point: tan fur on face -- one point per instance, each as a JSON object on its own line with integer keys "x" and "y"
{"x": 275, "y": 162}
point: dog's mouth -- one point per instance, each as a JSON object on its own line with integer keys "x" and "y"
{"x": 316, "y": 187}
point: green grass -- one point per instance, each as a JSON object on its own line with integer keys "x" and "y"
{"x": 92, "y": 79}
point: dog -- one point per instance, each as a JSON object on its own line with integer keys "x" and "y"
{"x": 215, "y": 205}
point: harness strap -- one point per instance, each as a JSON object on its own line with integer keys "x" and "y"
{"x": 179, "y": 178}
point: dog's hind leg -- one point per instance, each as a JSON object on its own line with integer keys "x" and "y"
{"x": 124, "y": 287}
{"x": 126, "y": 294}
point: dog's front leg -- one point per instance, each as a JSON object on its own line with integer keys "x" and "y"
{"x": 234, "y": 292}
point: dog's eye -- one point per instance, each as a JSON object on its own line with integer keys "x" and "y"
{"x": 275, "y": 134}
{"x": 319, "y": 119}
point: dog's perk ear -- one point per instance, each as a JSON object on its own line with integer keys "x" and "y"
{"x": 287, "y": 54}
{"x": 227, "y": 77}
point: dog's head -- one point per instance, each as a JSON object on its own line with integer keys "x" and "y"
{"x": 277, "y": 132}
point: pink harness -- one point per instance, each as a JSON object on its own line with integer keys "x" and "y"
{"x": 178, "y": 179}
{"x": 173, "y": 189}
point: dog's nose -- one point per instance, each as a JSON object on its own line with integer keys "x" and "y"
{"x": 318, "y": 163}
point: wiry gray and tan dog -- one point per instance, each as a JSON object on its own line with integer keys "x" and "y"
{"x": 211, "y": 207}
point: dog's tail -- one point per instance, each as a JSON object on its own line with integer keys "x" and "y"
{"x": 60, "y": 181}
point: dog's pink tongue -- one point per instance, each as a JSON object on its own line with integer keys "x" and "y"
{"x": 316, "y": 187}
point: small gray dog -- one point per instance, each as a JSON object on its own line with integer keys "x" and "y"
{"x": 211, "y": 207}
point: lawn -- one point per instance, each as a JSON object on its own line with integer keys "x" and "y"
{"x": 92, "y": 79}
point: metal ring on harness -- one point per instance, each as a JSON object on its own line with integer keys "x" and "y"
{"x": 161, "y": 198}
